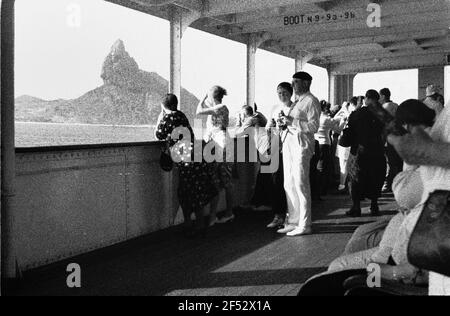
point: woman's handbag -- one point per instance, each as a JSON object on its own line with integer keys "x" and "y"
{"x": 429, "y": 246}
{"x": 165, "y": 161}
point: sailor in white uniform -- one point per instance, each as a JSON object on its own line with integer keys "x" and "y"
{"x": 302, "y": 121}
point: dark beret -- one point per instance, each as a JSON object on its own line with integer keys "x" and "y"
{"x": 303, "y": 76}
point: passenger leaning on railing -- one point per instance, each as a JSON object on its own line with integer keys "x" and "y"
{"x": 195, "y": 189}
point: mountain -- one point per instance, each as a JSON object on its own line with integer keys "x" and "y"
{"x": 128, "y": 96}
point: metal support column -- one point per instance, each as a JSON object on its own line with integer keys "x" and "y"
{"x": 7, "y": 138}
{"x": 175, "y": 51}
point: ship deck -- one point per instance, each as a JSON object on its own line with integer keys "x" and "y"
{"x": 241, "y": 258}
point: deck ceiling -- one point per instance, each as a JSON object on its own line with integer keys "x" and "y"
{"x": 412, "y": 34}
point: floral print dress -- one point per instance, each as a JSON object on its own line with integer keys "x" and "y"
{"x": 195, "y": 189}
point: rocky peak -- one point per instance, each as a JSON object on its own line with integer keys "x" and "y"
{"x": 121, "y": 70}
{"x": 118, "y": 48}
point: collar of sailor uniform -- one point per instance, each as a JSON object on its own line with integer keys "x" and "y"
{"x": 301, "y": 97}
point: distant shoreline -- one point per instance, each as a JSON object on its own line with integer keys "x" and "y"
{"x": 85, "y": 124}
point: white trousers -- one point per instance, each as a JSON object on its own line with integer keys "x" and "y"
{"x": 296, "y": 164}
{"x": 343, "y": 155}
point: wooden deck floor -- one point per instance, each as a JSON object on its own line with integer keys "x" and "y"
{"x": 241, "y": 258}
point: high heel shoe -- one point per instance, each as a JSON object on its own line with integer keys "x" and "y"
{"x": 226, "y": 219}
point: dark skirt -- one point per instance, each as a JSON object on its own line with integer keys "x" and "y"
{"x": 367, "y": 172}
{"x": 269, "y": 190}
{"x": 262, "y": 193}
{"x": 222, "y": 175}
{"x": 196, "y": 188}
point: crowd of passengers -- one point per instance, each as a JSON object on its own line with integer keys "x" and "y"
{"x": 323, "y": 148}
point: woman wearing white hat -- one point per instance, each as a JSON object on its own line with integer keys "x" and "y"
{"x": 432, "y": 100}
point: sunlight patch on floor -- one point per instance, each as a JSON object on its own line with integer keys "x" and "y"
{"x": 275, "y": 289}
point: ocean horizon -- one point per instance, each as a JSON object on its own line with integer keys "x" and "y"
{"x": 44, "y": 134}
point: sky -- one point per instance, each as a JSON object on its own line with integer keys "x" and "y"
{"x": 405, "y": 86}
{"x": 61, "y": 46}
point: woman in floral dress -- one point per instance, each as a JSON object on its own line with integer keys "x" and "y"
{"x": 196, "y": 189}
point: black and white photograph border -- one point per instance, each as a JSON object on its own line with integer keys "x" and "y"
{"x": 225, "y": 153}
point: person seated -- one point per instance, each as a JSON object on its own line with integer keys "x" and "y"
{"x": 433, "y": 153}
{"x": 407, "y": 187}
{"x": 411, "y": 188}
{"x": 410, "y": 114}
{"x": 390, "y": 255}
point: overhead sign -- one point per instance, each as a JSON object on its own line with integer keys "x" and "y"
{"x": 319, "y": 18}
{"x": 371, "y": 14}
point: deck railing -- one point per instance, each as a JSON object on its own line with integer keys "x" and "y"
{"x": 73, "y": 200}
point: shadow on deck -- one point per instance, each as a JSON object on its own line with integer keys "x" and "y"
{"x": 241, "y": 258}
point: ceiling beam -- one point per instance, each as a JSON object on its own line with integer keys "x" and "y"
{"x": 221, "y": 7}
{"x": 302, "y": 38}
{"x": 395, "y": 8}
{"x": 326, "y": 5}
{"x": 154, "y": 3}
{"x": 302, "y": 8}
{"x": 356, "y": 52}
{"x": 395, "y": 63}
{"x": 433, "y": 41}
{"x": 337, "y": 40}
{"x": 335, "y": 43}
{"x": 190, "y": 5}
{"x": 371, "y": 55}
{"x": 321, "y": 22}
